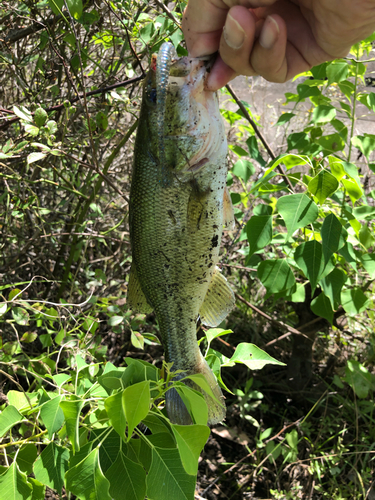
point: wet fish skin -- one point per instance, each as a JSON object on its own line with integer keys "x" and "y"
{"x": 176, "y": 226}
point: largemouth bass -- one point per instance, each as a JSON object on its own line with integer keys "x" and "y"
{"x": 178, "y": 206}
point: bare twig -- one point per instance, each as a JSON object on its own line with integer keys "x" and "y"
{"x": 168, "y": 12}
{"x": 260, "y": 135}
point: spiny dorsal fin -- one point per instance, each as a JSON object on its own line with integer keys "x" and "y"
{"x": 218, "y": 302}
{"x": 136, "y": 298}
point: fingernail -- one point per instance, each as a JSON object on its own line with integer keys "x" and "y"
{"x": 269, "y": 33}
{"x": 234, "y": 35}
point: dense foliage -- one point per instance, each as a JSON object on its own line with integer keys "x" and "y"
{"x": 81, "y": 377}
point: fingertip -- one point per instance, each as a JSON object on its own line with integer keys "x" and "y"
{"x": 220, "y": 75}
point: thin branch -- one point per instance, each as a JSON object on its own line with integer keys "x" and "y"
{"x": 260, "y": 135}
{"x": 278, "y": 323}
{"x": 168, "y": 12}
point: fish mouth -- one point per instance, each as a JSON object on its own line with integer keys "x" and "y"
{"x": 189, "y": 65}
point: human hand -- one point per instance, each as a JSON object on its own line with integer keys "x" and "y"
{"x": 276, "y": 39}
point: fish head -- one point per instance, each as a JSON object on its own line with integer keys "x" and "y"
{"x": 193, "y": 131}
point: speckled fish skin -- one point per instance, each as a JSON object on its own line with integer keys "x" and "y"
{"x": 176, "y": 226}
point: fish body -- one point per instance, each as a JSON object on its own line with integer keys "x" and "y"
{"x": 176, "y": 221}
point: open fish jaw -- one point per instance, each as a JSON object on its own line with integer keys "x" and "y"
{"x": 176, "y": 221}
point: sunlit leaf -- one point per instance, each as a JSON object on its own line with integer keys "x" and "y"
{"x": 14, "y": 485}
{"x": 333, "y": 236}
{"x": 136, "y": 404}
{"x": 322, "y": 307}
{"x": 72, "y": 410}
{"x": 354, "y": 301}
{"x": 309, "y": 258}
{"x": 253, "y": 357}
{"x": 297, "y": 210}
{"x": 8, "y": 418}
{"x": 275, "y": 275}
{"x": 259, "y": 232}
{"x": 323, "y": 185}
{"x": 127, "y": 479}
{"x": 190, "y": 442}
{"x": 51, "y": 465}
{"x": 332, "y": 285}
{"x": 52, "y": 415}
{"x": 359, "y": 378}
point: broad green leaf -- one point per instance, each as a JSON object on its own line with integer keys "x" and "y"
{"x": 86, "y": 480}
{"x": 20, "y": 316}
{"x": 31, "y": 129}
{"x": 108, "y": 449}
{"x": 8, "y": 418}
{"x": 321, "y": 306}
{"x": 337, "y": 167}
{"x": 215, "y": 365}
{"x": 366, "y": 237}
{"x": 40, "y": 117}
{"x": 3, "y": 308}
{"x": 365, "y": 143}
{"x": 259, "y": 232}
{"x": 333, "y": 236}
{"x": 252, "y": 144}
{"x": 52, "y": 415}
{"x": 26, "y": 457}
{"x": 332, "y": 285}
{"x": 337, "y": 71}
{"x": 309, "y": 258}
{"x": 194, "y": 402}
{"x": 127, "y": 479}
{"x": 23, "y": 113}
{"x": 253, "y": 357}
{"x": 364, "y": 212}
{"x": 39, "y": 489}
{"x": 200, "y": 380}
{"x": 116, "y": 413}
{"x": 56, "y": 6}
{"x": 323, "y": 185}
{"x": 353, "y": 189}
{"x": 136, "y": 404}
{"x": 75, "y": 8}
{"x": 72, "y": 410}
{"x": 354, "y": 301}
{"x": 323, "y": 114}
{"x": 276, "y": 275}
{"x": 167, "y": 478}
{"x": 51, "y": 465}
{"x": 284, "y": 118}
{"x": 368, "y": 262}
{"x": 112, "y": 379}
{"x": 14, "y": 485}
{"x": 359, "y": 378}
{"x": 297, "y": 210}
{"x": 298, "y": 140}
{"x": 190, "y": 443}
{"x": 331, "y": 142}
{"x": 22, "y": 400}
{"x": 213, "y": 333}
{"x": 243, "y": 169}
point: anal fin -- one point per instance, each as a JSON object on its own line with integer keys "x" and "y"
{"x": 218, "y": 302}
{"x": 136, "y": 298}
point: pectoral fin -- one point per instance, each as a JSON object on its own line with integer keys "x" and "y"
{"x": 228, "y": 219}
{"x": 136, "y": 298}
{"x": 218, "y": 302}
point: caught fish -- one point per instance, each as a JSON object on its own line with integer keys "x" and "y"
{"x": 179, "y": 204}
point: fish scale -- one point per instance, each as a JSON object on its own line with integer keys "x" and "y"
{"x": 176, "y": 227}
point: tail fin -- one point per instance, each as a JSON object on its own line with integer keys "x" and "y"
{"x": 176, "y": 408}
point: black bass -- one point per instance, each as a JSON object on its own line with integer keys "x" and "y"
{"x": 179, "y": 204}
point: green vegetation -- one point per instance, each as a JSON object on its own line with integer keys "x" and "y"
{"x": 81, "y": 377}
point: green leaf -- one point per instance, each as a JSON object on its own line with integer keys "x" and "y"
{"x": 298, "y": 140}
{"x": 297, "y": 210}
{"x": 333, "y": 236}
{"x": 331, "y": 143}
{"x": 39, "y": 489}
{"x": 243, "y": 169}
{"x": 213, "y": 333}
{"x": 359, "y": 378}
{"x": 284, "y": 118}
{"x": 29, "y": 337}
{"x": 127, "y": 479}
{"x": 332, "y": 285}
{"x": 194, "y": 402}
{"x": 116, "y": 413}
{"x": 40, "y": 117}
{"x": 323, "y": 185}
{"x": 167, "y": 477}
{"x": 252, "y": 144}
{"x": 354, "y": 301}
{"x": 33, "y": 157}
{"x": 56, "y": 6}
{"x": 51, "y": 465}
{"x": 52, "y": 415}
{"x": 22, "y": 400}
{"x": 26, "y": 457}
{"x": 276, "y": 275}
{"x": 368, "y": 262}
{"x": 253, "y": 357}
{"x": 321, "y": 306}
{"x": 72, "y": 410}
{"x": 3, "y": 308}
{"x": 190, "y": 443}
{"x": 259, "y": 232}
{"x": 23, "y": 113}
{"x": 364, "y": 212}
{"x": 309, "y": 258}
{"x": 14, "y": 485}
{"x": 8, "y": 418}
{"x": 136, "y": 403}
{"x": 323, "y": 114}
{"x": 75, "y": 8}
{"x": 31, "y": 129}
{"x": 337, "y": 71}
{"x": 86, "y": 480}
{"x": 20, "y": 315}
{"x": 365, "y": 143}
{"x": 353, "y": 189}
